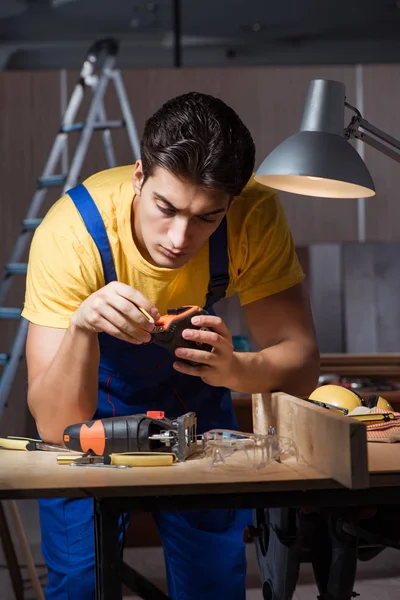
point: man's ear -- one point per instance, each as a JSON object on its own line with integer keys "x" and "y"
{"x": 138, "y": 177}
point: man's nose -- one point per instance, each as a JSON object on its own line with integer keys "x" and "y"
{"x": 179, "y": 233}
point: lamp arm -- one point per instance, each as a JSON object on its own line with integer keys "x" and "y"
{"x": 377, "y": 145}
{"x": 352, "y": 131}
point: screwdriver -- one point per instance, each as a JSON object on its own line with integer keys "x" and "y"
{"x": 144, "y": 312}
{"x": 126, "y": 459}
{"x": 373, "y": 418}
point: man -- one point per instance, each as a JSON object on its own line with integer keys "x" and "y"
{"x": 186, "y": 225}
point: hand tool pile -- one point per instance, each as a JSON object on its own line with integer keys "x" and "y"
{"x": 142, "y": 440}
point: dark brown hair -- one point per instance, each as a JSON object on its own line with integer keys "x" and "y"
{"x": 200, "y": 139}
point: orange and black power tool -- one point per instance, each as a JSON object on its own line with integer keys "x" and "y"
{"x": 168, "y": 330}
{"x": 150, "y": 432}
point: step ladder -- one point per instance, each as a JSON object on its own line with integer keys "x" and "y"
{"x": 96, "y": 119}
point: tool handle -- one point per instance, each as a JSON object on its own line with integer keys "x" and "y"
{"x": 373, "y": 418}
{"x": 129, "y": 459}
{"x": 339, "y": 409}
{"x": 14, "y": 443}
{"x": 141, "y": 459}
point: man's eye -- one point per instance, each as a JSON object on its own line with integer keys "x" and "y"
{"x": 205, "y": 220}
{"x": 166, "y": 211}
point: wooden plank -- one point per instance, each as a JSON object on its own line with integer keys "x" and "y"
{"x": 326, "y": 295}
{"x": 329, "y": 442}
{"x": 371, "y": 365}
{"x": 392, "y": 358}
{"x": 362, "y": 370}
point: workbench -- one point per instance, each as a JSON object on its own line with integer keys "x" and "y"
{"x": 193, "y": 485}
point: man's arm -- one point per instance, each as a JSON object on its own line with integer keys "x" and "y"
{"x": 62, "y": 378}
{"x": 63, "y": 364}
{"x": 283, "y": 328}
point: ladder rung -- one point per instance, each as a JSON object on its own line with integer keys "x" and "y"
{"x": 30, "y": 224}
{"x": 55, "y": 176}
{"x": 51, "y": 181}
{"x": 10, "y": 313}
{"x": 100, "y": 125}
{"x": 16, "y": 268}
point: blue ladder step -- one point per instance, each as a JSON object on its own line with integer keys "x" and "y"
{"x": 4, "y": 359}
{"x": 10, "y": 313}
{"x": 51, "y": 181}
{"x": 16, "y": 268}
{"x": 101, "y": 125}
{"x": 30, "y": 224}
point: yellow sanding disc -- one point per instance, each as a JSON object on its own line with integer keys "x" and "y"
{"x": 337, "y": 396}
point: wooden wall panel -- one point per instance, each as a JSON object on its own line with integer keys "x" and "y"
{"x": 29, "y": 116}
{"x": 326, "y": 295}
{"x": 354, "y": 290}
{"x": 360, "y": 298}
{"x": 381, "y": 108}
{"x": 277, "y": 115}
{"x": 372, "y": 292}
{"x": 270, "y": 102}
{"x": 230, "y": 311}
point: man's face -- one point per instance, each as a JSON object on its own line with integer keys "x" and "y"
{"x": 172, "y": 219}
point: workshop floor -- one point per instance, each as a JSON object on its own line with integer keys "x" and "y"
{"x": 378, "y": 579}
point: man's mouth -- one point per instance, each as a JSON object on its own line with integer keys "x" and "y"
{"x": 174, "y": 254}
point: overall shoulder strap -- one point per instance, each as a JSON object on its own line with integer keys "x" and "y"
{"x": 95, "y": 226}
{"x": 219, "y": 264}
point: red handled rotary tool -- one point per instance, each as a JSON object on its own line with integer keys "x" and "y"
{"x": 168, "y": 330}
{"x": 150, "y": 432}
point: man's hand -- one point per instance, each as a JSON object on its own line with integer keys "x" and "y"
{"x": 114, "y": 310}
{"x": 217, "y": 365}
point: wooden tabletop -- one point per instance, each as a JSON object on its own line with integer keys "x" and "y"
{"x": 37, "y": 474}
{"x": 384, "y": 464}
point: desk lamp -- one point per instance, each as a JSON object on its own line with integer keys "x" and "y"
{"x": 318, "y": 160}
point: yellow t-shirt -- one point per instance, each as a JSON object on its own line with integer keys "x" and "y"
{"x": 65, "y": 268}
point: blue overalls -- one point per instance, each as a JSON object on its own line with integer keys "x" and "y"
{"x": 204, "y": 551}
